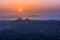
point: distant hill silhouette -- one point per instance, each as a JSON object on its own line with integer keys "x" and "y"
{"x": 29, "y": 30}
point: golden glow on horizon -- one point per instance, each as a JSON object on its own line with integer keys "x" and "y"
{"x": 28, "y": 5}
{"x": 20, "y": 9}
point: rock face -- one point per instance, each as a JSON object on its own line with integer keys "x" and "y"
{"x": 26, "y": 29}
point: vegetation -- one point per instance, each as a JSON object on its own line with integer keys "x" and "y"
{"x": 29, "y": 30}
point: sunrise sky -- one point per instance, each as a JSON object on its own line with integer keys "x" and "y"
{"x": 33, "y": 9}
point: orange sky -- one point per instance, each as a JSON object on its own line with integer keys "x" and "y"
{"x": 28, "y": 6}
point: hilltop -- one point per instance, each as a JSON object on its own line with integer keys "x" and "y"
{"x": 30, "y": 29}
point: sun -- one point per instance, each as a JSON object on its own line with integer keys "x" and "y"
{"x": 20, "y": 9}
